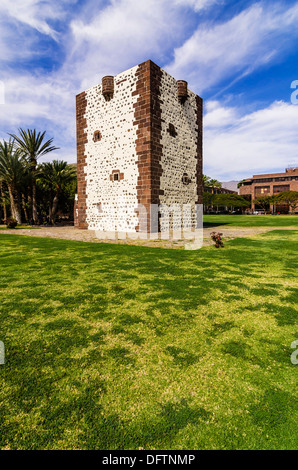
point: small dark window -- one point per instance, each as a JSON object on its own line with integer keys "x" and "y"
{"x": 96, "y": 136}
{"x": 116, "y": 175}
{"x": 280, "y": 188}
{"x": 185, "y": 179}
{"x": 172, "y": 130}
{"x": 262, "y": 190}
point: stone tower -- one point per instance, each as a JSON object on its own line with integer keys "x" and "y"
{"x": 139, "y": 151}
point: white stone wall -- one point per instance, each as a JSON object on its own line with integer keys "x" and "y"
{"x": 179, "y": 153}
{"x": 111, "y": 204}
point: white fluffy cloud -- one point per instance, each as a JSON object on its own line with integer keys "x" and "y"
{"x": 124, "y": 33}
{"x": 238, "y": 146}
{"x": 197, "y": 5}
{"x": 33, "y": 13}
{"x": 44, "y": 103}
{"x": 236, "y": 47}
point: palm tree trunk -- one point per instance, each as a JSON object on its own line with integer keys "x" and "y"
{"x": 30, "y": 201}
{"x": 55, "y": 207}
{"x": 4, "y": 203}
{"x": 12, "y": 204}
{"x": 18, "y": 212}
{"x": 50, "y": 212}
{"x": 24, "y": 207}
{"x": 34, "y": 204}
{"x": 34, "y": 209}
{"x": 15, "y": 206}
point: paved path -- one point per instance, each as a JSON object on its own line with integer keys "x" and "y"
{"x": 71, "y": 233}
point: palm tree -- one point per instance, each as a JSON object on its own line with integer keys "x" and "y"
{"x": 55, "y": 176}
{"x": 12, "y": 171}
{"x": 212, "y": 183}
{"x": 33, "y": 146}
{"x": 206, "y": 180}
{"x": 3, "y": 198}
{"x": 25, "y": 190}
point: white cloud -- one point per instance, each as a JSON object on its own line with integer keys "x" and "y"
{"x": 197, "y": 5}
{"x": 33, "y": 13}
{"x": 42, "y": 103}
{"x": 238, "y": 46}
{"x": 20, "y": 23}
{"x": 33, "y": 97}
{"x": 238, "y": 146}
{"x": 14, "y": 47}
{"x": 125, "y": 33}
{"x": 122, "y": 34}
{"x": 218, "y": 116}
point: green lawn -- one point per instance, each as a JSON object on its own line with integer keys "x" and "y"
{"x": 251, "y": 220}
{"x": 125, "y": 347}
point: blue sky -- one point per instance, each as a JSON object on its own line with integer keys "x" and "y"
{"x": 240, "y": 56}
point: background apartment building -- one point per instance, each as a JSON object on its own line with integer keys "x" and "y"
{"x": 269, "y": 185}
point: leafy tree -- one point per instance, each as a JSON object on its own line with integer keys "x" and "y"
{"x": 67, "y": 199}
{"x": 12, "y": 170}
{"x": 230, "y": 200}
{"x": 55, "y": 178}
{"x": 208, "y": 199}
{"x": 33, "y": 146}
{"x": 288, "y": 197}
{"x": 263, "y": 201}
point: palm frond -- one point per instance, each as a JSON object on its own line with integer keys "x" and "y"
{"x": 32, "y": 143}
